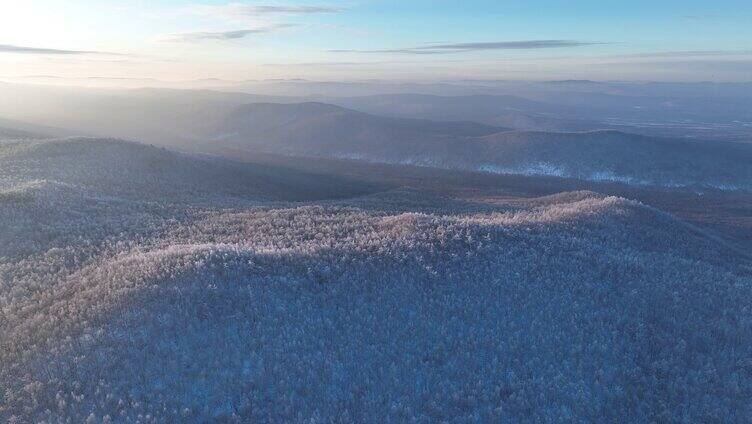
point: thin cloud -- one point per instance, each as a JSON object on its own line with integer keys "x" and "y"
{"x": 7, "y": 48}
{"x": 330, "y": 63}
{"x": 696, "y": 53}
{"x": 271, "y": 10}
{"x": 399, "y": 51}
{"x": 245, "y": 11}
{"x": 478, "y": 46}
{"x": 509, "y": 45}
{"x": 223, "y": 35}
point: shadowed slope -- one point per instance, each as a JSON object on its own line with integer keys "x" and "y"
{"x": 108, "y": 167}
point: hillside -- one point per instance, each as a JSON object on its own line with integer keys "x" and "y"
{"x": 62, "y": 192}
{"x": 116, "y": 168}
{"x": 572, "y": 306}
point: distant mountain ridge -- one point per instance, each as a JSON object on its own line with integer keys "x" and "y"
{"x": 577, "y": 106}
{"x": 317, "y": 129}
{"x": 322, "y": 129}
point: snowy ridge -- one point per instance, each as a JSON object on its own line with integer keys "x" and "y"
{"x": 340, "y": 313}
{"x": 540, "y": 168}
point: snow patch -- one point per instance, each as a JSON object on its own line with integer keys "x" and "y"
{"x": 538, "y": 168}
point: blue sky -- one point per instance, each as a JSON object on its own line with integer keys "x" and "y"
{"x": 383, "y": 39}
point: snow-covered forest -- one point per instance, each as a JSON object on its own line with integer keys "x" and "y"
{"x": 143, "y": 285}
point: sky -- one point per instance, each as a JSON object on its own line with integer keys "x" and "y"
{"x": 415, "y": 40}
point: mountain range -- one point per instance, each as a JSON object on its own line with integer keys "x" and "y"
{"x": 322, "y": 130}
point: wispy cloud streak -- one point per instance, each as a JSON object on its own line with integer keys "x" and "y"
{"x": 270, "y": 10}
{"x": 243, "y": 11}
{"x": 223, "y": 35}
{"x": 478, "y": 46}
{"x": 7, "y": 48}
{"x": 695, "y": 53}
